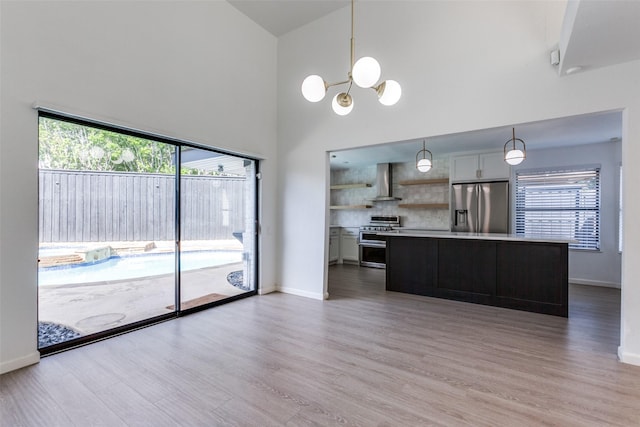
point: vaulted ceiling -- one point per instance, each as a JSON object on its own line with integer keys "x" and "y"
{"x": 595, "y": 33}
{"x": 281, "y": 16}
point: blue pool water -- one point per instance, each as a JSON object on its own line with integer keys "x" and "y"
{"x": 134, "y": 266}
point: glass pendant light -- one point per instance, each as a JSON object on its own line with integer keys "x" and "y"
{"x": 514, "y": 156}
{"x": 424, "y": 164}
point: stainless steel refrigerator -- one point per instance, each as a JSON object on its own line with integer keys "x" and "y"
{"x": 480, "y": 207}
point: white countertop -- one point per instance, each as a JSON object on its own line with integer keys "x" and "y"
{"x": 476, "y": 236}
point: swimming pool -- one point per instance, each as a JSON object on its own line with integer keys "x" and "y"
{"x": 134, "y": 266}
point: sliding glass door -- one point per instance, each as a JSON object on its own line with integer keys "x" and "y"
{"x": 217, "y": 227}
{"x": 112, "y": 217}
{"x": 106, "y": 232}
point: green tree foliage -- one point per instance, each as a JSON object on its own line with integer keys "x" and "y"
{"x": 70, "y": 146}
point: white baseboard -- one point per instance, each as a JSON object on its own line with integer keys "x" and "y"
{"x": 267, "y": 290}
{"x": 589, "y": 282}
{"x": 630, "y": 358}
{"x": 301, "y": 293}
{"x": 21, "y": 362}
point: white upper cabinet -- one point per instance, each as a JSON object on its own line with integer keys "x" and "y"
{"x": 493, "y": 166}
{"x": 464, "y": 168}
{"x": 479, "y": 167}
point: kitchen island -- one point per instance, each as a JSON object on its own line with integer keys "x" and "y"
{"x": 502, "y": 270}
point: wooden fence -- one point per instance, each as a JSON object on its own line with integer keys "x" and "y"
{"x": 106, "y": 206}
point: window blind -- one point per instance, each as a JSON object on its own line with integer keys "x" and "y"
{"x": 560, "y": 204}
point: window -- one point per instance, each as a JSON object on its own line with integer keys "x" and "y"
{"x": 560, "y": 204}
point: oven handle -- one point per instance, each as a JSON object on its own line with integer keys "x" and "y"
{"x": 373, "y": 245}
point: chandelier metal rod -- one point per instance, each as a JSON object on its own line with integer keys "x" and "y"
{"x": 353, "y": 40}
{"x": 328, "y": 85}
{"x": 353, "y": 53}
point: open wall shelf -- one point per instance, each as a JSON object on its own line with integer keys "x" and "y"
{"x": 431, "y": 181}
{"x": 347, "y": 186}
{"x": 337, "y": 207}
{"x": 424, "y": 181}
{"x": 424, "y": 205}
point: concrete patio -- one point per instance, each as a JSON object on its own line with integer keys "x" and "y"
{"x": 95, "y": 307}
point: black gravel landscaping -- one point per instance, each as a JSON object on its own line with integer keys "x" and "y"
{"x": 53, "y": 333}
{"x": 236, "y": 279}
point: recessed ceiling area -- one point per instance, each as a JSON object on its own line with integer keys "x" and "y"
{"x": 561, "y": 132}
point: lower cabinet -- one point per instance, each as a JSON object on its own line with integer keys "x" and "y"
{"x": 467, "y": 269}
{"x": 411, "y": 267}
{"x": 533, "y": 277}
{"x": 530, "y": 276}
{"x": 349, "y": 251}
{"x": 334, "y": 245}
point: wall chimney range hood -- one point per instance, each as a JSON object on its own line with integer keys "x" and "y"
{"x": 383, "y": 183}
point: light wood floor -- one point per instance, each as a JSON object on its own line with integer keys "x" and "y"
{"x": 363, "y": 358}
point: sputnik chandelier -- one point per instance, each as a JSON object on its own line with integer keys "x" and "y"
{"x": 365, "y": 72}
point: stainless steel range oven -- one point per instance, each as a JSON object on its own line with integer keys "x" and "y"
{"x": 373, "y": 251}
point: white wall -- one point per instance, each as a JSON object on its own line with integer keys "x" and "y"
{"x": 602, "y": 268}
{"x": 197, "y": 71}
{"x": 463, "y": 66}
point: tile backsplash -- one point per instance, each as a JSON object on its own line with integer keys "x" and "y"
{"x": 412, "y": 218}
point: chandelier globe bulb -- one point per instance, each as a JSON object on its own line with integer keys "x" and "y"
{"x": 389, "y": 92}
{"x": 366, "y": 72}
{"x": 314, "y": 88}
{"x": 342, "y": 104}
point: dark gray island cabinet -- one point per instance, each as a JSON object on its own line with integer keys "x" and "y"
{"x": 492, "y": 269}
